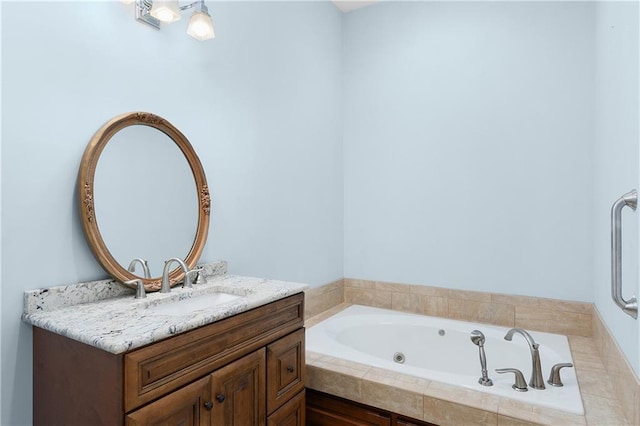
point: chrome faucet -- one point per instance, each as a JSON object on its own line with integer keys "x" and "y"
{"x": 145, "y": 266}
{"x": 536, "y": 381}
{"x": 166, "y": 286}
{"x": 188, "y": 281}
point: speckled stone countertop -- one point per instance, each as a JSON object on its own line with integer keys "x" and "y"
{"x": 105, "y": 314}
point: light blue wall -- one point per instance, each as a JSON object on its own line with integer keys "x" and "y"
{"x": 474, "y": 136}
{"x": 469, "y": 145}
{"x": 616, "y": 161}
{"x": 258, "y": 103}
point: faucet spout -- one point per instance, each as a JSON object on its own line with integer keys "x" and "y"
{"x": 536, "y": 381}
{"x": 166, "y": 285}
{"x": 145, "y": 266}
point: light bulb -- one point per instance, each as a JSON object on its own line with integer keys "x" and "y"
{"x": 201, "y": 26}
{"x": 165, "y": 11}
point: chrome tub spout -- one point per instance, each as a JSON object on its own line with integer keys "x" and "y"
{"x": 536, "y": 381}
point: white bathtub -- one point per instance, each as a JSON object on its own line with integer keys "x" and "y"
{"x": 441, "y": 350}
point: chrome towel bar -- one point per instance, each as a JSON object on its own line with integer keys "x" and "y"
{"x": 629, "y": 307}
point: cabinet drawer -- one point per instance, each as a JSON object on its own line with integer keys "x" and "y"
{"x": 158, "y": 369}
{"x": 285, "y": 369}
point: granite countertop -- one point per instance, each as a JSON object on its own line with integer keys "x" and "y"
{"x": 105, "y": 314}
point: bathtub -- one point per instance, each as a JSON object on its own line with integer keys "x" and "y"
{"x": 441, "y": 350}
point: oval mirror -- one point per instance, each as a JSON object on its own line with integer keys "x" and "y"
{"x": 143, "y": 194}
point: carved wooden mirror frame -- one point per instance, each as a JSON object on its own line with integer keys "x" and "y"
{"x": 86, "y": 196}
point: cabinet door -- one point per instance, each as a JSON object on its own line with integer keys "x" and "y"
{"x": 290, "y": 414}
{"x": 285, "y": 369}
{"x": 188, "y": 406}
{"x": 238, "y": 391}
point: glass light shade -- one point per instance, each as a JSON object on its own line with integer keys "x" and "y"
{"x": 201, "y": 26}
{"x": 165, "y": 11}
{"x": 127, "y": 1}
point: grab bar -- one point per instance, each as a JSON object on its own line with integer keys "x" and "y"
{"x": 629, "y": 307}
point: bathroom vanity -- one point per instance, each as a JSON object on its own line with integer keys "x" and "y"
{"x": 239, "y": 362}
{"x": 215, "y": 349}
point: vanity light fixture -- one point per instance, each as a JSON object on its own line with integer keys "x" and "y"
{"x": 154, "y": 12}
{"x": 165, "y": 11}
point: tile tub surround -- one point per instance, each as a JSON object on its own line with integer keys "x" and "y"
{"x": 594, "y": 349}
{"x": 122, "y": 323}
{"x": 444, "y": 404}
{"x": 532, "y": 313}
{"x": 320, "y": 299}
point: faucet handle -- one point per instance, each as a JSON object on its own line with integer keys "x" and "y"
{"x": 187, "y": 277}
{"x": 554, "y": 376}
{"x": 521, "y": 384}
{"x": 200, "y": 279}
{"x": 140, "y": 292}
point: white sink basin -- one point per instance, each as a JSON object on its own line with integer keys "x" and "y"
{"x": 196, "y": 303}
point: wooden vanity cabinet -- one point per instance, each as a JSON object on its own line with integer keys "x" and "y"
{"x": 245, "y": 370}
{"x": 329, "y": 410}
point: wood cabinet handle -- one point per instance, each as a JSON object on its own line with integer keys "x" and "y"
{"x": 290, "y": 369}
{"x": 208, "y": 405}
{"x": 220, "y": 398}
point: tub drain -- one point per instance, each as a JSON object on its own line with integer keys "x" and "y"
{"x": 398, "y": 357}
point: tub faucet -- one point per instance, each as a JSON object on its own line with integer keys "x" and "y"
{"x": 478, "y": 339}
{"x": 166, "y": 285}
{"x": 536, "y": 381}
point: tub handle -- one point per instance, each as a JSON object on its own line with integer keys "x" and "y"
{"x": 554, "y": 376}
{"x": 629, "y": 307}
{"x": 521, "y": 384}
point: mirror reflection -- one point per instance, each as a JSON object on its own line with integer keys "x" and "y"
{"x": 146, "y": 203}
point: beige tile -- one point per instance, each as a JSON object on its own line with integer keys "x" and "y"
{"x": 368, "y": 297}
{"x": 589, "y": 362}
{"x": 314, "y": 303}
{"x": 462, "y": 396}
{"x": 336, "y": 295}
{"x": 395, "y": 287}
{"x": 509, "y": 299}
{"x": 392, "y": 378}
{"x": 311, "y": 356}
{"x": 353, "y": 282}
{"x": 477, "y": 296}
{"x": 392, "y": 398}
{"x": 429, "y": 291}
{"x": 603, "y": 411}
{"x": 580, "y": 344}
{"x": 508, "y": 421}
{"x": 593, "y": 382}
{"x": 490, "y": 313}
{"x": 435, "y": 306}
{"x": 620, "y": 373}
{"x": 553, "y": 321}
{"x": 334, "y": 382}
{"x": 447, "y": 413}
{"x": 310, "y": 322}
{"x": 566, "y": 306}
{"x": 342, "y": 366}
{"x": 628, "y": 397}
{"x": 536, "y": 414}
{"x": 319, "y": 299}
{"x": 406, "y": 302}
